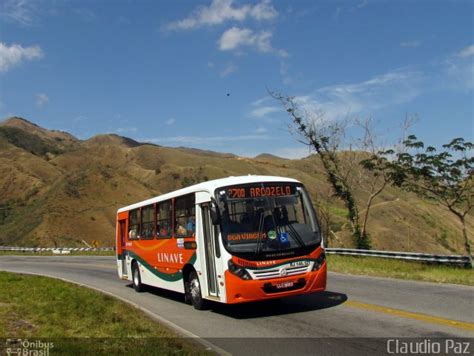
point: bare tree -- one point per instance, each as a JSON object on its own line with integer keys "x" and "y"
{"x": 372, "y": 183}
{"x": 347, "y": 162}
{"x": 325, "y": 139}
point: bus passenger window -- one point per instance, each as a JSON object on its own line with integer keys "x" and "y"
{"x": 163, "y": 219}
{"x": 185, "y": 216}
{"x": 147, "y": 222}
{"x": 133, "y": 225}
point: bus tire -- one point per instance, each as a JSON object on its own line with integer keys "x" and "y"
{"x": 195, "y": 292}
{"x": 136, "y": 278}
{"x": 187, "y": 292}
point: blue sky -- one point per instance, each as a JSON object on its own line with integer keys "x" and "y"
{"x": 196, "y": 74}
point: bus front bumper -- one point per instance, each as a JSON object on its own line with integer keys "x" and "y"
{"x": 241, "y": 291}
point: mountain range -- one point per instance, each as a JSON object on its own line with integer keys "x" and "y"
{"x": 58, "y": 190}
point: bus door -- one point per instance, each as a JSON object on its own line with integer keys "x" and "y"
{"x": 210, "y": 250}
{"x": 123, "y": 234}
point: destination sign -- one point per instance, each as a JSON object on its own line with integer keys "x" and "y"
{"x": 246, "y": 237}
{"x": 239, "y": 192}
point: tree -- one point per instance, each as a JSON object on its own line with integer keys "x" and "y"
{"x": 446, "y": 176}
{"x": 323, "y": 207}
{"x": 325, "y": 139}
{"x": 374, "y": 183}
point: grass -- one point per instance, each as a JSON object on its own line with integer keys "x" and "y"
{"x": 337, "y": 211}
{"x": 372, "y": 266}
{"x": 79, "y": 320}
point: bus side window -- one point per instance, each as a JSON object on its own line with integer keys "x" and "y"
{"x": 185, "y": 215}
{"x": 148, "y": 222}
{"x": 133, "y": 224}
{"x": 163, "y": 219}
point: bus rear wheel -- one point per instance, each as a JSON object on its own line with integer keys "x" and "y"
{"x": 136, "y": 278}
{"x": 194, "y": 292}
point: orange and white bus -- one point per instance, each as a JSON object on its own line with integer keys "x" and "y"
{"x": 230, "y": 240}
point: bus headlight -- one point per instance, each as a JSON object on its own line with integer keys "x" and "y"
{"x": 318, "y": 262}
{"x": 238, "y": 271}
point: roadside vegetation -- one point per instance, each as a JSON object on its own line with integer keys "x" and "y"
{"x": 79, "y": 320}
{"x": 444, "y": 176}
{"x": 380, "y": 267}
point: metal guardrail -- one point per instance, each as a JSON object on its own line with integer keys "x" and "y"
{"x": 409, "y": 256}
{"x": 58, "y": 250}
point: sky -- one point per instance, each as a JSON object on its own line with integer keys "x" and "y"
{"x": 198, "y": 73}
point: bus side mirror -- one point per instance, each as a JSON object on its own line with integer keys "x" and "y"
{"x": 215, "y": 216}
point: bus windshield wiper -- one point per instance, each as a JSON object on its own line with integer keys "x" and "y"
{"x": 259, "y": 233}
{"x": 294, "y": 234}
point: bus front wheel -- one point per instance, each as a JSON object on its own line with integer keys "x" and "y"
{"x": 136, "y": 278}
{"x": 194, "y": 292}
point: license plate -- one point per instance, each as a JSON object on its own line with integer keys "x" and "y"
{"x": 299, "y": 264}
{"x": 284, "y": 285}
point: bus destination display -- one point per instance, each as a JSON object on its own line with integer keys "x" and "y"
{"x": 237, "y": 192}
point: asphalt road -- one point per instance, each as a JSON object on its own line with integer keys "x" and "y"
{"x": 355, "y": 316}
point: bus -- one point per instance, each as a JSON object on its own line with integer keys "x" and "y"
{"x": 229, "y": 240}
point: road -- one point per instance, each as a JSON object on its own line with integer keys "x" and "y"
{"x": 354, "y": 316}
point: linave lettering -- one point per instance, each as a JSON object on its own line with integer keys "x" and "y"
{"x": 170, "y": 257}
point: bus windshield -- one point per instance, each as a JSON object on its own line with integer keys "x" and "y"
{"x": 267, "y": 220}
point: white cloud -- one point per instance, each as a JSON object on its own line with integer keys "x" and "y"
{"x": 170, "y": 121}
{"x": 19, "y": 11}
{"x": 284, "y": 73}
{"x": 410, "y": 44}
{"x": 263, "y": 11}
{"x": 362, "y": 4}
{"x": 261, "y": 101}
{"x": 41, "y": 100}
{"x": 291, "y": 152}
{"x": 229, "y": 69}
{"x": 460, "y": 75}
{"x": 203, "y": 140}
{"x": 263, "y": 108}
{"x": 263, "y": 111}
{"x": 339, "y": 101}
{"x": 236, "y": 37}
{"x": 261, "y": 130}
{"x": 466, "y": 52}
{"x": 126, "y": 129}
{"x": 459, "y": 70}
{"x": 220, "y": 11}
{"x": 15, "y": 54}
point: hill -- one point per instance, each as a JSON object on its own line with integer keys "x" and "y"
{"x": 59, "y": 190}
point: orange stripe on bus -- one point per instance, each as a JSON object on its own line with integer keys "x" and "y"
{"x": 150, "y": 248}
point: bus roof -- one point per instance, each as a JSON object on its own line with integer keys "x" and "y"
{"x": 209, "y": 186}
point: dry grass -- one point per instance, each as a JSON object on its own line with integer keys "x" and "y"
{"x": 72, "y": 196}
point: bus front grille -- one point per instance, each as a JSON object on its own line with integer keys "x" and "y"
{"x": 279, "y": 272}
